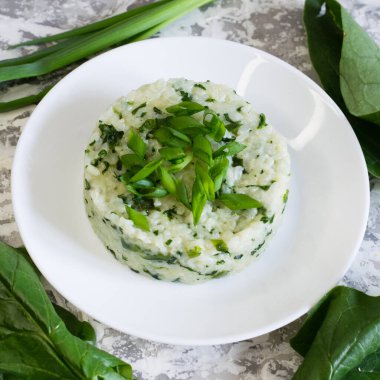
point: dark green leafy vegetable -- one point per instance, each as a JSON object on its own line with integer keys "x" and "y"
{"x": 136, "y": 144}
{"x": 339, "y": 338}
{"x": 239, "y": 201}
{"x": 35, "y": 342}
{"x": 139, "y": 219}
{"x": 134, "y": 111}
{"x": 110, "y": 135}
{"x": 348, "y": 64}
{"x": 81, "y": 329}
{"x": 262, "y": 121}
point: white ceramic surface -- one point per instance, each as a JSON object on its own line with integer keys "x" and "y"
{"x": 322, "y": 228}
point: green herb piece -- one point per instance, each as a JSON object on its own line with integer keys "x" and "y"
{"x": 201, "y": 171}
{"x": 210, "y": 100}
{"x": 186, "y": 108}
{"x": 194, "y": 252}
{"x": 199, "y": 85}
{"x": 136, "y": 144}
{"x": 134, "y": 111}
{"x": 182, "y": 194}
{"x": 129, "y": 160}
{"x": 168, "y": 242}
{"x": 262, "y": 121}
{"x": 237, "y": 161}
{"x": 202, "y": 149}
{"x": 138, "y": 219}
{"x": 198, "y": 201}
{"x": 170, "y": 213}
{"x": 171, "y": 137}
{"x": 285, "y": 196}
{"x": 233, "y": 126}
{"x": 347, "y": 62}
{"x": 187, "y": 125}
{"x": 147, "y": 170}
{"x": 229, "y": 149}
{"x": 239, "y": 201}
{"x": 110, "y": 135}
{"x": 339, "y": 337}
{"x": 215, "y": 125}
{"x": 185, "y": 96}
{"x": 157, "y": 110}
{"x": 149, "y": 124}
{"x": 171, "y": 153}
{"x": 167, "y": 180}
{"x": 146, "y": 192}
{"x": 102, "y": 153}
{"x": 106, "y": 166}
{"x": 181, "y": 163}
{"x": 218, "y": 171}
{"x": 220, "y": 245}
{"x": 36, "y": 342}
{"x": 87, "y": 185}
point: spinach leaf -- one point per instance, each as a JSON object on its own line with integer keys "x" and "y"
{"x": 35, "y": 343}
{"x": 340, "y": 338}
{"x": 348, "y": 64}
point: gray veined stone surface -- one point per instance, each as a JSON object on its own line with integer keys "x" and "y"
{"x": 271, "y": 25}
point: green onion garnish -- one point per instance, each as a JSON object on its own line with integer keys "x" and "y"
{"x": 239, "y": 201}
{"x": 139, "y": 219}
{"x": 136, "y": 144}
{"x": 198, "y": 200}
{"x": 186, "y": 108}
{"x": 148, "y": 169}
{"x": 202, "y": 149}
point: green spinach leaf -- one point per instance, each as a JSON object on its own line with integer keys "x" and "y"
{"x": 348, "y": 64}
{"x": 34, "y": 341}
{"x": 340, "y": 338}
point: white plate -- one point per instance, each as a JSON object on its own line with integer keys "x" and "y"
{"x": 322, "y": 229}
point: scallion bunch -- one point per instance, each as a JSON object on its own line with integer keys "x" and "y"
{"x": 71, "y": 46}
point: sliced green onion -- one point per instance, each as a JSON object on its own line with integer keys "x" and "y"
{"x": 229, "y": 149}
{"x": 187, "y": 125}
{"x": 171, "y": 153}
{"x": 129, "y": 160}
{"x": 195, "y": 252}
{"x": 198, "y": 200}
{"x": 202, "y": 149}
{"x": 214, "y": 124}
{"x": 134, "y": 111}
{"x": 136, "y": 144}
{"x": 101, "y": 39}
{"x": 143, "y": 184}
{"x": 182, "y": 194}
{"x": 218, "y": 171}
{"x": 171, "y": 137}
{"x": 91, "y": 27}
{"x": 186, "y": 108}
{"x": 201, "y": 171}
{"x": 239, "y": 201}
{"x": 167, "y": 180}
{"x": 146, "y": 170}
{"x": 138, "y": 219}
{"x": 25, "y": 101}
{"x": 262, "y": 121}
{"x": 154, "y": 192}
{"x": 183, "y": 162}
{"x": 220, "y": 245}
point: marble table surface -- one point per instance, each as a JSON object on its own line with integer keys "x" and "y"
{"x": 274, "y": 26}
